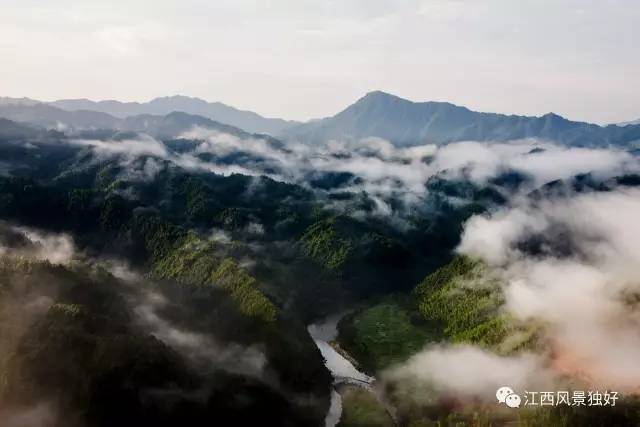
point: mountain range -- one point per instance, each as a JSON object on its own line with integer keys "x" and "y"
{"x": 204, "y": 278}
{"x": 406, "y": 123}
{"x": 632, "y": 122}
{"x": 377, "y": 114}
{"x": 219, "y": 112}
{"x": 159, "y": 126}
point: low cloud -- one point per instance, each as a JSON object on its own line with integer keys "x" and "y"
{"x": 39, "y": 415}
{"x": 143, "y": 145}
{"x": 542, "y": 161}
{"x": 572, "y": 263}
{"x": 393, "y": 179}
{"x": 567, "y": 264}
{"x": 467, "y": 373}
{"x": 28, "y": 242}
{"x": 25, "y": 296}
{"x": 200, "y": 348}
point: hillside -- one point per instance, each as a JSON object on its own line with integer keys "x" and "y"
{"x": 184, "y": 268}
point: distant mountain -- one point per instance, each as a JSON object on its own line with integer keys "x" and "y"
{"x": 160, "y": 126}
{"x": 173, "y": 124}
{"x": 632, "y": 122}
{"x": 406, "y": 123}
{"x": 377, "y": 114}
{"x": 10, "y": 130}
{"x": 246, "y": 120}
{"x": 5, "y": 100}
{"x": 51, "y": 117}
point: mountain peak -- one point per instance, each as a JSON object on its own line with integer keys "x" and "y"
{"x": 179, "y": 100}
{"x": 404, "y": 123}
{"x": 378, "y": 95}
{"x": 379, "y": 100}
{"x": 555, "y": 118}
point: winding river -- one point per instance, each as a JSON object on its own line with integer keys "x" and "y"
{"x": 341, "y": 369}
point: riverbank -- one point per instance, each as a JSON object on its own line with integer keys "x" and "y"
{"x": 351, "y": 388}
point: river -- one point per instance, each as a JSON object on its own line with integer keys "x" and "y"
{"x": 341, "y": 369}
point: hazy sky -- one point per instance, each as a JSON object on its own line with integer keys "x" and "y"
{"x": 300, "y": 58}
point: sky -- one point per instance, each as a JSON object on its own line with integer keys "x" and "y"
{"x": 301, "y": 59}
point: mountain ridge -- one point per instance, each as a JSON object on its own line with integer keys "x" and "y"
{"x": 406, "y": 123}
{"x": 244, "y": 119}
{"x": 169, "y": 125}
{"x": 217, "y": 111}
{"x": 376, "y": 114}
{"x": 629, "y": 123}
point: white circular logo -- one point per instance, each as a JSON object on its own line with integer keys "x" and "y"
{"x": 507, "y": 396}
{"x": 502, "y": 393}
{"x": 513, "y": 401}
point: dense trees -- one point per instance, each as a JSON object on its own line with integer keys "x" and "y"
{"x": 244, "y": 261}
{"x": 84, "y": 355}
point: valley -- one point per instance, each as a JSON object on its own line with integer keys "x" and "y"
{"x": 196, "y": 270}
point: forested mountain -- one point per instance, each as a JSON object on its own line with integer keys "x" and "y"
{"x": 407, "y": 123}
{"x": 166, "y": 269}
{"x": 168, "y": 261}
{"x": 233, "y": 254}
{"x": 15, "y": 131}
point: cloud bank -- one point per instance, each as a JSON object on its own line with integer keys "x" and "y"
{"x": 21, "y": 241}
{"x": 394, "y": 179}
{"x": 570, "y": 264}
{"x": 582, "y": 279}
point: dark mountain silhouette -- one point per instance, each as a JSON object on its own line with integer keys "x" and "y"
{"x": 51, "y": 117}
{"x": 161, "y": 126}
{"x": 377, "y": 114}
{"x": 404, "y": 123}
{"x": 247, "y": 120}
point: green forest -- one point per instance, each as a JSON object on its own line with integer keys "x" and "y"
{"x": 182, "y": 296}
